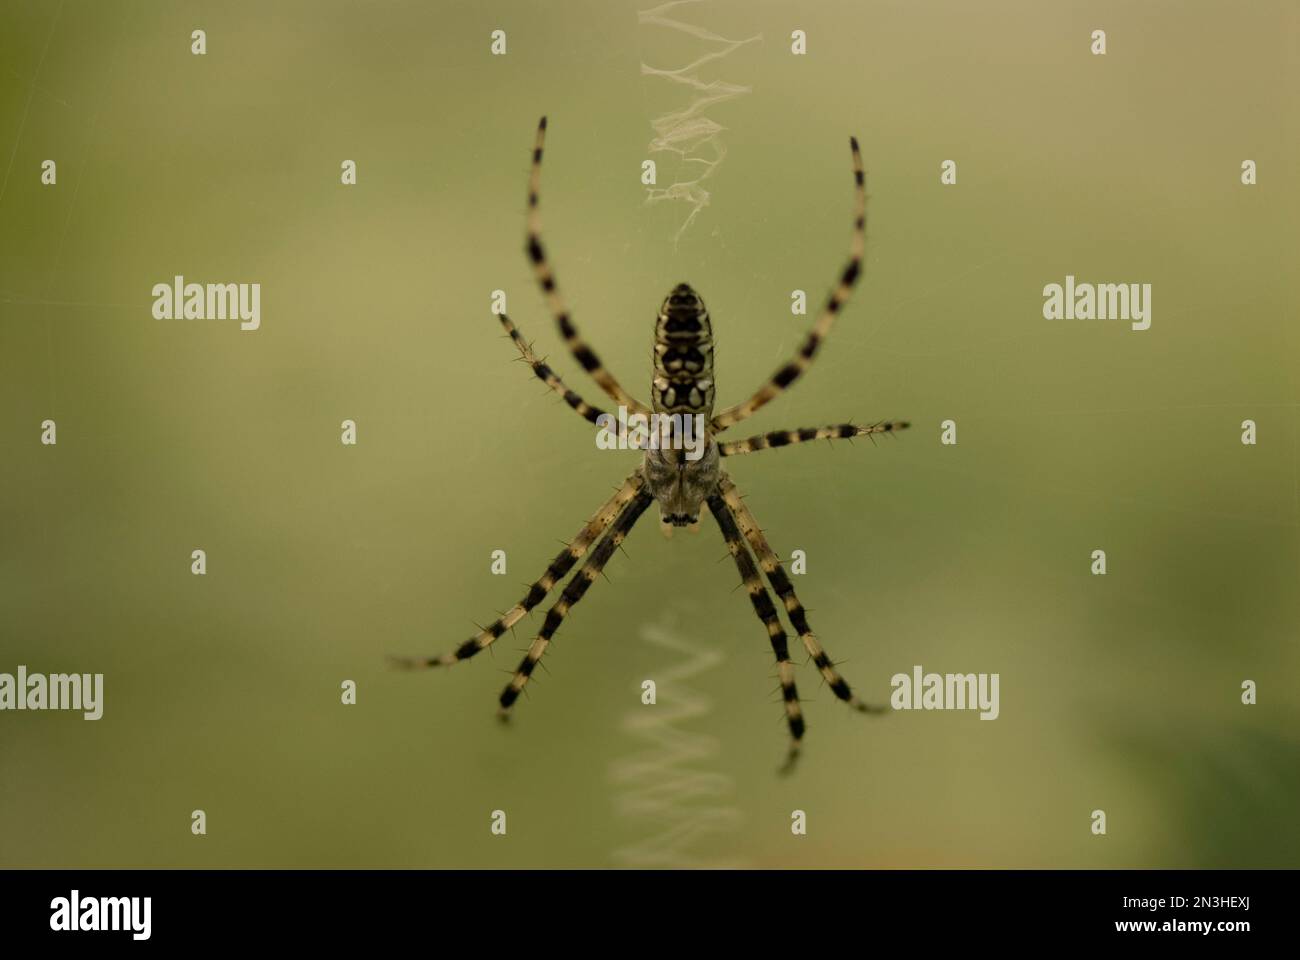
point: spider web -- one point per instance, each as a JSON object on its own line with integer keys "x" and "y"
{"x": 687, "y": 132}
{"x": 665, "y": 784}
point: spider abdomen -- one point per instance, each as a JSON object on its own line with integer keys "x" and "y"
{"x": 683, "y": 355}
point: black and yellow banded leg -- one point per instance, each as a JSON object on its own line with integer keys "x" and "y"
{"x": 794, "y": 368}
{"x": 556, "y": 572}
{"x": 549, "y": 376}
{"x": 794, "y": 609}
{"x": 583, "y": 353}
{"x": 785, "y": 438}
{"x": 766, "y": 610}
{"x": 573, "y": 592}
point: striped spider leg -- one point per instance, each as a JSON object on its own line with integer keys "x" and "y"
{"x": 727, "y": 502}
{"x": 594, "y": 528}
{"x": 780, "y": 381}
{"x": 784, "y": 438}
{"x": 789, "y": 372}
{"x": 680, "y": 477}
{"x": 573, "y": 592}
{"x": 766, "y": 610}
{"x": 550, "y": 377}
{"x": 585, "y": 356}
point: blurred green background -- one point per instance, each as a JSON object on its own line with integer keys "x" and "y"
{"x": 222, "y": 692}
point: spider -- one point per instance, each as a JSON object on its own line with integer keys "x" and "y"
{"x": 682, "y": 384}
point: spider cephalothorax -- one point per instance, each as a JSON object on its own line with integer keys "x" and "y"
{"x": 680, "y": 478}
{"x": 681, "y": 485}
